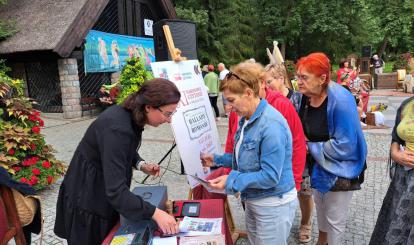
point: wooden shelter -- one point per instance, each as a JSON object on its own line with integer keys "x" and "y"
{"x": 47, "y": 52}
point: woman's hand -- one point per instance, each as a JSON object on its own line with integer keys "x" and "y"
{"x": 165, "y": 222}
{"x": 207, "y": 160}
{"x": 218, "y": 183}
{"x": 151, "y": 169}
{"x": 405, "y": 158}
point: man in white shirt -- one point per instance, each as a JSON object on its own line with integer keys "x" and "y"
{"x": 223, "y": 72}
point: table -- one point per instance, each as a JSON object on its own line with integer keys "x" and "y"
{"x": 209, "y": 208}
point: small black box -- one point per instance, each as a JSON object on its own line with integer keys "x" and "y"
{"x": 141, "y": 232}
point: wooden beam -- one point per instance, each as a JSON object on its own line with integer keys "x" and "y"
{"x": 174, "y": 52}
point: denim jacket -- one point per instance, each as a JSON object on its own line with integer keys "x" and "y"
{"x": 264, "y": 165}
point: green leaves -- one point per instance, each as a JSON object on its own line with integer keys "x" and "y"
{"x": 133, "y": 75}
{"x": 235, "y": 30}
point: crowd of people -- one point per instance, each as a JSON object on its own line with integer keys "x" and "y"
{"x": 285, "y": 149}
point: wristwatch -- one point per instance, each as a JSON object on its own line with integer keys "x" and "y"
{"x": 140, "y": 163}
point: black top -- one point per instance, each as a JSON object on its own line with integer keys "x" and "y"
{"x": 314, "y": 120}
{"x": 96, "y": 188}
{"x": 290, "y": 93}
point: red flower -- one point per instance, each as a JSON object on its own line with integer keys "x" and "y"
{"x": 23, "y": 180}
{"x": 46, "y": 164}
{"x": 32, "y": 118}
{"x": 11, "y": 152}
{"x": 34, "y": 180}
{"x": 49, "y": 179}
{"x": 33, "y": 160}
{"x": 36, "y": 113}
{"x": 36, "y": 129}
{"x": 36, "y": 171}
{"x": 26, "y": 163}
{"x": 41, "y": 123}
{"x": 16, "y": 168}
{"x": 32, "y": 146}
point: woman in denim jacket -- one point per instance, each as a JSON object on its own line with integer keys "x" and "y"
{"x": 261, "y": 161}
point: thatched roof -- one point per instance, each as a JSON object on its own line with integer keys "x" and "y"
{"x": 57, "y": 25}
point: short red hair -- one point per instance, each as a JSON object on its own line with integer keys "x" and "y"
{"x": 317, "y": 64}
{"x": 210, "y": 67}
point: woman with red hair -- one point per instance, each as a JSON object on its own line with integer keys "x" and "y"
{"x": 336, "y": 145}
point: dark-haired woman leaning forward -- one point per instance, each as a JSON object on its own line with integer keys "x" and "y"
{"x": 95, "y": 190}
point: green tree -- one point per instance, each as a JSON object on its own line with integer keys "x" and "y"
{"x": 395, "y": 20}
{"x": 224, "y": 28}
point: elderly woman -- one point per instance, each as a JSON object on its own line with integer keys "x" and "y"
{"x": 336, "y": 145}
{"x": 395, "y": 219}
{"x": 276, "y": 79}
{"x": 261, "y": 161}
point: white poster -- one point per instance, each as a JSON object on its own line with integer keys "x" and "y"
{"x": 148, "y": 27}
{"x": 193, "y": 124}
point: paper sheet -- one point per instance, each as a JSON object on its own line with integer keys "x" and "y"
{"x": 205, "y": 183}
{"x": 164, "y": 240}
{"x": 200, "y": 226}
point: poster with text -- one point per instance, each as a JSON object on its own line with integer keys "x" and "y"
{"x": 193, "y": 124}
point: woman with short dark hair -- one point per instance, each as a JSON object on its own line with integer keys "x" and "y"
{"x": 95, "y": 190}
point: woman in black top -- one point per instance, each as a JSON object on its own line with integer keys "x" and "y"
{"x": 336, "y": 144}
{"x": 95, "y": 190}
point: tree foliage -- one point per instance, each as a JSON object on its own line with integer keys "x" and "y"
{"x": 234, "y": 30}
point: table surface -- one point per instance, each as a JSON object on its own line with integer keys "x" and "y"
{"x": 209, "y": 208}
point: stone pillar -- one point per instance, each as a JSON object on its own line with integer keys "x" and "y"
{"x": 69, "y": 85}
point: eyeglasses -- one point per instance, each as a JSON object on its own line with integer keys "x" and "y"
{"x": 302, "y": 77}
{"x": 231, "y": 74}
{"x": 167, "y": 114}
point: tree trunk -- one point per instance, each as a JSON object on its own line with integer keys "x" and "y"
{"x": 383, "y": 46}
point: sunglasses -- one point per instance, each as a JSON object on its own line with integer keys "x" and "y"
{"x": 231, "y": 74}
{"x": 167, "y": 114}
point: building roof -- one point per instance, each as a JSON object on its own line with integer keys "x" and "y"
{"x": 57, "y": 25}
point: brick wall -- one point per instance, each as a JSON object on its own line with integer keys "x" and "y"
{"x": 69, "y": 85}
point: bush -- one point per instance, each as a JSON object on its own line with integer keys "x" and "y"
{"x": 402, "y": 62}
{"x": 133, "y": 75}
{"x": 23, "y": 150}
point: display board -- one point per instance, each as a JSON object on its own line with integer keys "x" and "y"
{"x": 193, "y": 124}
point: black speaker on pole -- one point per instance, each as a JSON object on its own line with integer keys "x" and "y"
{"x": 184, "y": 35}
{"x": 366, "y": 51}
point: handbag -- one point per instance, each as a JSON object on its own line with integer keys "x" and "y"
{"x": 26, "y": 207}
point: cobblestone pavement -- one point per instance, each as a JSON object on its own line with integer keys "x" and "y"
{"x": 64, "y": 135}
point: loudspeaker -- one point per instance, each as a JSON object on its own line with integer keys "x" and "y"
{"x": 184, "y": 35}
{"x": 366, "y": 51}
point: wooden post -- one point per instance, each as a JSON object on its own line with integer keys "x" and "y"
{"x": 174, "y": 52}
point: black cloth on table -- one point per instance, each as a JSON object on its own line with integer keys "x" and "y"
{"x": 96, "y": 188}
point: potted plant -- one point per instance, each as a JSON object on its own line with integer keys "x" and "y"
{"x": 23, "y": 150}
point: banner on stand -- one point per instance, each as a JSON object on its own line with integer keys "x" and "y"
{"x": 193, "y": 124}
